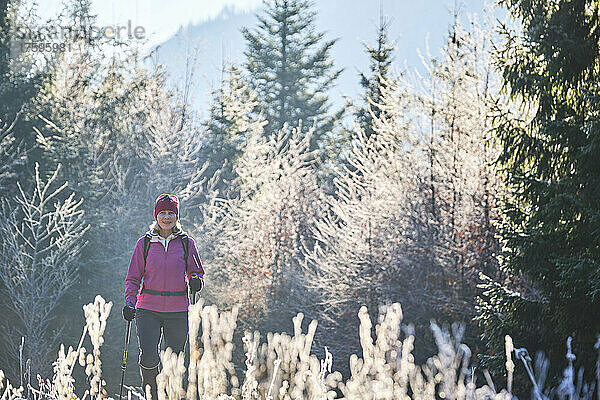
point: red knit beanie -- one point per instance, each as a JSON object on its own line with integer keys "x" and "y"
{"x": 166, "y": 202}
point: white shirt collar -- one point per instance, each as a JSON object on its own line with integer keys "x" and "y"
{"x": 160, "y": 239}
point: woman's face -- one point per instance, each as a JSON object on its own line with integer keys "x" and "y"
{"x": 166, "y": 220}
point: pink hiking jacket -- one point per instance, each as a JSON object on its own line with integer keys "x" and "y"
{"x": 164, "y": 271}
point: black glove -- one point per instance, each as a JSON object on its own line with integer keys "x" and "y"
{"x": 128, "y": 312}
{"x": 195, "y": 283}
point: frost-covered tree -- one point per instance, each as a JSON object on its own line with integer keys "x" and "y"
{"x": 90, "y": 125}
{"x": 40, "y": 241}
{"x": 410, "y": 215}
{"x": 290, "y": 69}
{"x": 233, "y": 114}
{"x": 461, "y": 187}
{"x": 12, "y": 154}
{"x": 368, "y": 249}
{"x": 21, "y": 80}
{"x": 171, "y": 152}
{"x": 263, "y": 229}
{"x": 123, "y": 137}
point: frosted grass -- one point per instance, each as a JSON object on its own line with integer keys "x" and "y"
{"x": 282, "y": 367}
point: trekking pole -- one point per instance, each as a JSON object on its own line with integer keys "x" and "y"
{"x": 124, "y": 365}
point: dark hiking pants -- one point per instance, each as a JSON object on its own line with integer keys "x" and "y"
{"x": 151, "y": 324}
{"x": 173, "y": 326}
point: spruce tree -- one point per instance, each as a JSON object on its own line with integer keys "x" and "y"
{"x": 19, "y": 82}
{"x": 233, "y": 114}
{"x": 381, "y": 58}
{"x": 291, "y": 69}
{"x": 550, "y": 161}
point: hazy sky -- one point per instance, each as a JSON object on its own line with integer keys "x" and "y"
{"x": 414, "y": 24}
{"x": 159, "y": 18}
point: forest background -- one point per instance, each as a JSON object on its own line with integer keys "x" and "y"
{"x": 467, "y": 192}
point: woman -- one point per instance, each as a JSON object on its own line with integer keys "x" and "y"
{"x": 163, "y": 259}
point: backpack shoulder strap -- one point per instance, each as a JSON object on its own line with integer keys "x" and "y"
{"x": 185, "y": 242}
{"x": 146, "y": 247}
